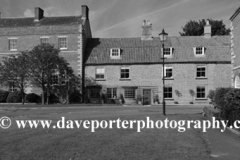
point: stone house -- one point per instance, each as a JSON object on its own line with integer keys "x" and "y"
{"x": 131, "y": 68}
{"x": 235, "y": 48}
{"x": 68, "y": 33}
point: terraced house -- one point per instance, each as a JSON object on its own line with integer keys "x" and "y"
{"x": 68, "y": 33}
{"x": 126, "y": 69}
{"x": 131, "y": 68}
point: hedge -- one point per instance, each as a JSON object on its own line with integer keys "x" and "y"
{"x": 14, "y": 97}
{"x": 33, "y": 98}
{"x": 219, "y": 97}
{"x": 75, "y": 97}
{"x": 3, "y": 96}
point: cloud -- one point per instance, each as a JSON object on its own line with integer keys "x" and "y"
{"x": 28, "y": 13}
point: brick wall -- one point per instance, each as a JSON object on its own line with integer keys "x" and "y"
{"x": 149, "y": 76}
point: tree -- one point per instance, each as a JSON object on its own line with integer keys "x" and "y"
{"x": 15, "y": 70}
{"x": 44, "y": 61}
{"x": 196, "y": 28}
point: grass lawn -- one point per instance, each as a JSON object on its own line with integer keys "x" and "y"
{"x": 104, "y": 144}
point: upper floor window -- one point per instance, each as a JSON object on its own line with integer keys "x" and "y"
{"x": 12, "y": 86}
{"x": 201, "y": 71}
{"x": 13, "y": 44}
{"x": 44, "y": 40}
{"x": 168, "y": 52}
{"x": 54, "y": 79}
{"x": 199, "y": 51}
{"x": 125, "y": 72}
{"x": 168, "y": 72}
{"x": 62, "y": 42}
{"x": 100, "y": 72}
{"x": 115, "y": 53}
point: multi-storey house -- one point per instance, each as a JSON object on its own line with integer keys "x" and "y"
{"x": 131, "y": 68}
{"x": 68, "y": 33}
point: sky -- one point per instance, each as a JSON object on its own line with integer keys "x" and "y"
{"x": 124, "y": 18}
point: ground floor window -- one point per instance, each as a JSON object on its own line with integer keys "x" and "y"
{"x": 112, "y": 93}
{"x": 201, "y": 92}
{"x": 95, "y": 93}
{"x": 168, "y": 92}
{"x": 130, "y": 93}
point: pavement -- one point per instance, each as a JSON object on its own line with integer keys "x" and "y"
{"x": 223, "y": 145}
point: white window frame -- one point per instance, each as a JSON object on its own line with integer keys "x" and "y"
{"x": 102, "y": 71}
{"x": 204, "y": 92}
{"x": 112, "y": 92}
{"x": 195, "y": 51}
{"x": 9, "y": 43}
{"x": 62, "y": 48}
{"x": 12, "y": 87}
{"x": 165, "y": 71}
{"x": 171, "y": 52}
{"x": 121, "y": 72}
{"x": 201, "y": 66}
{"x": 41, "y": 38}
{"x": 112, "y": 53}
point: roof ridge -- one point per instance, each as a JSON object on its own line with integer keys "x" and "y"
{"x": 43, "y": 17}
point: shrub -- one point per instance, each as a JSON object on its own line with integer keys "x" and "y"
{"x": 219, "y": 97}
{"x": 211, "y": 95}
{"x": 3, "y": 96}
{"x": 14, "y": 97}
{"x": 75, "y": 97}
{"x": 33, "y": 98}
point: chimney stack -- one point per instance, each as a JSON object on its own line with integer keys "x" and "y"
{"x": 38, "y": 14}
{"x": 147, "y": 30}
{"x": 207, "y": 30}
{"x": 85, "y": 11}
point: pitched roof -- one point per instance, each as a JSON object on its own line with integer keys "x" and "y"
{"x": 28, "y": 22}
{"x": 135, "y": 50}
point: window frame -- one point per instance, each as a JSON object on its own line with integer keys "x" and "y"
{"x": 96, "y": 73}
{"x": 128, "y": 95}
{"x": 59, "y": 44}
{"x": 195, "y": 49}
{"x": 98, "y": 93}
{"x": 170, "y": 51}
{"x": 166, "y": 93}
{"x": 201, "y": 66}
{"x": 200, "y": 86}
{"x": 118, "y": 56}
{"x": 42, "y": 38}
{"x": 124, "y": 68}
{"x": 165, "y": 72}
{"x": 12, "y": 86}
{"x": 112, "y": 92}
{"x": 9, "y": 44}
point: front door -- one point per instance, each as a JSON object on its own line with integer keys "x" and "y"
{"x": 146, "y": 96}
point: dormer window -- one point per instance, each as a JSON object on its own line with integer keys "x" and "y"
{"x": 115, "y": 53}
{"x": 168, "y": 52}
{"x": 199, "y": 51}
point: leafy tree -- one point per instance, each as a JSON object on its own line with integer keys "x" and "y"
{"x": 196, "y": 28}
{"x": 15, "y": 69}
{"x": 44, "y": 62}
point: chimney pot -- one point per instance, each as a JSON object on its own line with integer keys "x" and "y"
{"x": 85, "y": 11}
{"x": 39, "y": 14}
